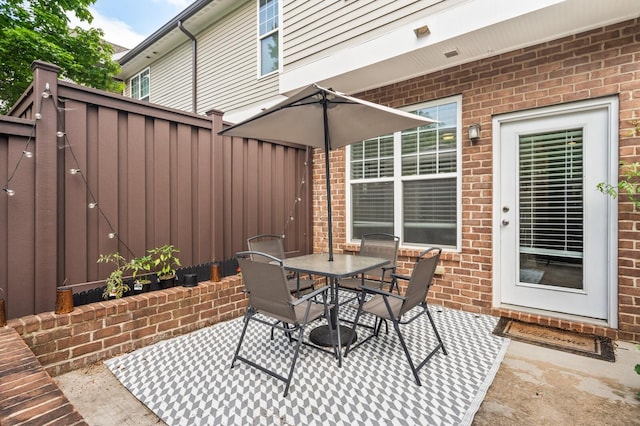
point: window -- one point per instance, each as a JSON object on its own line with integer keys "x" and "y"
{"x": 268, "y": 37}
{"x": 140, "y": 86}
{"x": 551, "y": 193}
{"x": 408, "y": 183}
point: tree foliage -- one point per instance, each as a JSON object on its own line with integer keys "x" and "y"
{"x": 39, "y": 30}
{"x": 629, "y": 184}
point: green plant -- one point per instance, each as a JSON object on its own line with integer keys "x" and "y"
{"x": 165, "y": 261}
{"x": 141, "y": 266}
{"x": 116, "y": 286}
{"x": 637, "y": 370}
{"x": 630, "y": 172}
{"x": 628, "y": 184}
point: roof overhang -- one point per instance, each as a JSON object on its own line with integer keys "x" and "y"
{"x": 461, "y": 33}
{"x": 196, "y": 17}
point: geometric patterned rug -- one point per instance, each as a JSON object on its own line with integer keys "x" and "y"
{"x": 187, "y": 380}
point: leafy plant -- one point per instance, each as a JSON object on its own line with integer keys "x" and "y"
{"x": 116, "y": 286}
{"x": 637, "y": 370}
{"x": 141, "y": 266}
{"x": 629, "y": 184}
{"x": 165, "y": 261}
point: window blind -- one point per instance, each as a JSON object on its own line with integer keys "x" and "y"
{"x": 372, "y": 207}
{"x": 430, "y": 211}
{"x": 551, "y": 193}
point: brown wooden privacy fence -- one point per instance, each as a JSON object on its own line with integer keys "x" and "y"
{"x": 158, "y": 176}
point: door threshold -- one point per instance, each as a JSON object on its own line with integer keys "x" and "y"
{"x": 556, "y": 315}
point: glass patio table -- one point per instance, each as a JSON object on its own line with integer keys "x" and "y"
{"x": 342, "y": 266}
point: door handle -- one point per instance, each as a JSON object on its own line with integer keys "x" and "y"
{"x": 505, "y": 222}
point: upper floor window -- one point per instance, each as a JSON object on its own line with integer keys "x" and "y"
{"x": 140, "y": 86}
{"x": 408, "y": 183}
{"x": 268, "y": 26}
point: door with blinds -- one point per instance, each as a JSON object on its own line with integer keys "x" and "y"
{"x": 554, "y": 238}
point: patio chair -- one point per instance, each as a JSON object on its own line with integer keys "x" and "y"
{"x": 268, "y": 292}
{"x": 390, "y": 306}
{"x": 273, "y": 245}
{"x": 375, "y": 245}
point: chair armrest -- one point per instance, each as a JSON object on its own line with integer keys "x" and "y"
{"x": 374, "y": 290}
{"x": 310, "y": 295}
{"x": 401, "y": 277}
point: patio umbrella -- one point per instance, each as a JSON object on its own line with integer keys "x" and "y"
{"x": 324, "y": 118}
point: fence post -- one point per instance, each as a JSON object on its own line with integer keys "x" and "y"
{"x": 218, "y": 248}
{"x": 45, "y": 78}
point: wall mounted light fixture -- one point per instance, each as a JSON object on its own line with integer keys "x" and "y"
{"x": 474, "y": 132}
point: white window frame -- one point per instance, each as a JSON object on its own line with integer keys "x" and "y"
{"x": 268, "y": 34}
{"x": 398, "y": 179}
{"x": 139, "y": 77}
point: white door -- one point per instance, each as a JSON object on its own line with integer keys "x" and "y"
{"x": 554, "y": 227}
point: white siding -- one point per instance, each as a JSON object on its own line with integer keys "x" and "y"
{"x": 315, "y": 29}
{"x": 228, "y": 76}
{"x": 170, "y": 82}
{"x": 227, "y": 67}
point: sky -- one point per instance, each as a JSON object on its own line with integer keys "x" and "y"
{"x": 129, "y": 22}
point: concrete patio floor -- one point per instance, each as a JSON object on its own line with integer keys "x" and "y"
{"x": 534, "y": 386}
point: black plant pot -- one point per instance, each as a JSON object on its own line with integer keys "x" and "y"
{"x": 141, "y": 287}
{"x": 166, "y": 282}
{"x": 190, "y": 280}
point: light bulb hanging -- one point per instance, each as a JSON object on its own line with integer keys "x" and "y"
{"x": 60, "y": 134}
{"x": 74, "y": 171}
{"x": 27, "y": 154}
{"x": 47, "y": 91}
{"x": 112, "y": 235}
{"x": 10, "y": 192}
{"x": 93, "y": 205}
{"x": 37, "y": 116}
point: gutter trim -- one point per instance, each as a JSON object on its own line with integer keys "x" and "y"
{"x": 164, "y": 30}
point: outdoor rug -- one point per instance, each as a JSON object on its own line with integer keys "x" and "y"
{"x": 564, "y": 340}
{"x": 187, "y": 380}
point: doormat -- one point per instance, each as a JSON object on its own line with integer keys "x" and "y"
{"x": 554, "y": 338}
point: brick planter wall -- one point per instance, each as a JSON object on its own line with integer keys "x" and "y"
{"x": 98, "y": 331}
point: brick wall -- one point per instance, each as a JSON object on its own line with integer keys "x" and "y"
{"x": 28, "y": 395}
{"x": 102, "y": 330}
{"x": 592, "y": 64}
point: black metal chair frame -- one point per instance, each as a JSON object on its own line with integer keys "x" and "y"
{"x": 288, "y": 328}
{"x": 254, "y": 244}
{"x": 366, "y": 278}
{"x": 397, "y": 319}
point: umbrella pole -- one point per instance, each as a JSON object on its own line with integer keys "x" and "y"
{"x": 326, "y": 172}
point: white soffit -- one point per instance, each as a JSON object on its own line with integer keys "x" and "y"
{"x": 476, "y": 28}
{"x": 174, "y": 37}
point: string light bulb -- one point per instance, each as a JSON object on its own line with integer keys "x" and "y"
{"x": 10, "y": 192}
{"x": 47, "y": 91}
{"x": 74, "y": 171}
{"x": 60, "y": 134}
{"x": 112, "y": 235}
{"x": 27, "y": 154}
{"x": 37, "y": 116}
{"x": 93, "y": 205}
